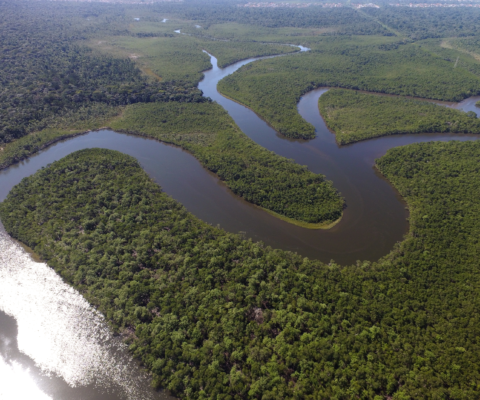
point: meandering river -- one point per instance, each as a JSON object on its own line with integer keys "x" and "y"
{"x": 53, "y": 345}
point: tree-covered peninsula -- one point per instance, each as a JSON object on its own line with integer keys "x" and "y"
{"x": 273, "y": 87}
{"x": 206, "y": 130}
{"x": 355, "y": 116}
{"x": 214, "y": 316}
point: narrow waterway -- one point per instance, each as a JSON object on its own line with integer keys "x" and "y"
{"x": 53, "y": 345}
{"x": 375, "y": 217}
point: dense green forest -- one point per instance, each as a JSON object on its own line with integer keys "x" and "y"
{"x": 215, "y": 316}
{"x": 355, "y": 116}
{"x": 273, "y": 87}
{"x": 212, "y": 315}
{"x": 429, "y": 23}
{"x": 44, "y": 74}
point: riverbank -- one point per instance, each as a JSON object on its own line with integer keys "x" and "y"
{"x": 180, "y": 318}
{"x": 207, "y": 132}
{"x": 272, "y": 87}
{"x": 321, "y": 225}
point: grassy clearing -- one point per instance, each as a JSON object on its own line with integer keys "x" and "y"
{"x": 178, "y": 58}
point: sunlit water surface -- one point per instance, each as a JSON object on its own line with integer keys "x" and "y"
{"x": 61, "y": 335}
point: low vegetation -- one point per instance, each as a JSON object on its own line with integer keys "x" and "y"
{"x": 180, "y": 58}
{"x": 177, "y": 59}
{"x": 273, "y": 87}
{"x": 230, "y": 52}
{"x": 215, "y": 316}
{"x": 355, "y": 116}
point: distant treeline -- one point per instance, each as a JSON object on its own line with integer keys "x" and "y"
{"x": 355, "y": 116}
{"x": 345, "y": 20}
{"x": 419, "y": 23}
{"x": 43, "y": 74}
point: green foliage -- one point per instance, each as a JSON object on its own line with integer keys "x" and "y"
{"x": 250, "y": 171}
{"x": 233, "y": 31}
{"x": 454, "y": 51}
{"x": 212, "y": 315}
{"x": 273, "y": 87}
{"x": 357, "y": 116}
{"x": 343, "y": 20}
{"x": 215, "y": 316}
{"x": 70, "y": 124}
{"x": 421, "y": 23}
{"x": 179, "y": 59}
{"x": 43, "y": 75}
{"x": 230, "y": 52}
{"x": 471, "y": 44}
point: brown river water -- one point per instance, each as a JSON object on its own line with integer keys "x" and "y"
{"x": 53, "y": 345}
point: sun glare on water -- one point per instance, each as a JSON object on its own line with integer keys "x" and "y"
{"x": 60, "y": 331}
{"x": 16, "y": 383}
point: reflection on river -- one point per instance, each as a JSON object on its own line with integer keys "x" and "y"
{"x": 53, "y": 345}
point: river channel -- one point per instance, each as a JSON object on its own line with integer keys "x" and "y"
{"x": 53, "y": 345}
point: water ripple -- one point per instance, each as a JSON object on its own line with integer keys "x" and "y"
{"x": 60, "y": 331}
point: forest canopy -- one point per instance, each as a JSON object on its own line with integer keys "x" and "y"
{"x": 216, "y": 316}
{"x": 212, "y": 315}
{"x": 355, "y": 116}
{"x": 273, "y": 87}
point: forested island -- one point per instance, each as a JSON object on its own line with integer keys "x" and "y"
{"x": 209, "y": 313}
